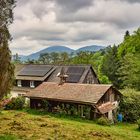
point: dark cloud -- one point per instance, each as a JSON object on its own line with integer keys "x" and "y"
{"x": 38, "y": 7}
{"x": 132, "y": 1}
{"x": 112, "y": 12}
{"x": 40, "y": 34}
{"x": 89, "y": 36}
{"x": 73, "y": 5}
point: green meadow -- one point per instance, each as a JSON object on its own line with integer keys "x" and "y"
{"x": 33, "y": 125}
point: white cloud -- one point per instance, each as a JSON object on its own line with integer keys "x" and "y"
{"x": 42, "y": 23}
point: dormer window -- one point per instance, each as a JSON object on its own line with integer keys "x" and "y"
{"x": 32, "y": 84}
{"x": 19, "y": 83}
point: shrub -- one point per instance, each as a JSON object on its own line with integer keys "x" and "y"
{"x": 130, "y": 106}
{"x": 45, "y": 104}
{"x": 103, "y": 121}
{"x": 27, "y": 104}
{"x": 16, "y": 103}
{"x": 138, "y": 124}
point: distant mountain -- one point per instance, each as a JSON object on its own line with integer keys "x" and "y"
{"x": 35, "y": 56}
{"x": 92, "y": 48}
{"x": 50, "y": 49}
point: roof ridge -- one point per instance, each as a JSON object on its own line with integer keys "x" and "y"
{"x": 59, "y": 64}
{"x": 79, "y": 84}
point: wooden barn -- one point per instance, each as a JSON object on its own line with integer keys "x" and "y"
{"x": 88, "y": 100}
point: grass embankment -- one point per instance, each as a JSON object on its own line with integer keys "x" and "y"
{"x": 16, "y": 125}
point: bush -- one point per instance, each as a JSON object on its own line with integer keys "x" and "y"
{"x": 16, "y": 103}
{"x": 45, "y": 104}
{"x": 138, "y": 124}
{"x": 103, "y": 121}
{"x": 130, "y": 105}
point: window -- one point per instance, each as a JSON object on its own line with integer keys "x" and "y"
{"x": 20, "y": 94}
{"x": 32, "y": 84}
{"x": 19, "y": 83}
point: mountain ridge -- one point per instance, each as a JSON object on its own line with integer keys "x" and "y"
{"x": 50, "y": 49}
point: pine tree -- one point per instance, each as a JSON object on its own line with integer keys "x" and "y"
{"x": 129, "y": 56}
{"x": 110, "y": 65}
{"x": 127, "y": 35}
{"x": 6, "y": 67}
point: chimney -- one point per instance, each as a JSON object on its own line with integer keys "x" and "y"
{"x": 63, "y": 76}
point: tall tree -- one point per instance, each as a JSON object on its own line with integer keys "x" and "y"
{"x": 129, "y": 71}
{"x": 129, "y": 55}
{"x": 127, "y": 35}
{"x": 55, "y": 59}
{"x": 16, "y": 59}
{"x": 6, "y": 67}
{"x": 64, "y": 58}
{"x": 110, "y": 65}
{"x": 82, "y": 58}
{"x": 45, "y": 58}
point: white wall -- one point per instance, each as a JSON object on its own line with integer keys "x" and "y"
{"x": 17, "y": 93}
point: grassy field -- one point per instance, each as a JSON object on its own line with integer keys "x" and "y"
{"x": 15, "y": 125}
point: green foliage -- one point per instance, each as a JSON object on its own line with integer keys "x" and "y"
{"x": 82, "y": 58}
{"x": 138, "y": 122}
{"x": 129, "y": 71}
{"x": 130, "y": 105}
{"x": 8, "y": 137}
{"x": 86, "y": 111}
{"x": 127, "y": 35}
{"x": 129, "y": 56}
{"x": 16, "y": 103}
{"x": 54, "y": 58}
{"x": 104, "y": 79}
{"x": 130, "y": 45}
{"x": 110, "y": 65}
{"x": 16, "y": 59}
{"x": 44, "y": 58}
{"x": 45, "y": 104}
{"x": 103, "y": 121}
{"x": 6, "y": 68}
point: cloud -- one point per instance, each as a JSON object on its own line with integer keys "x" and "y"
{"x": 42, "y": 23}
{"x": 107, "y": 11}
{"x": 131, "y": 1}
{"x": 72, "y": 6}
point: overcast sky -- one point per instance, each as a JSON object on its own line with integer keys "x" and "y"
{"x": 73, "y": 23}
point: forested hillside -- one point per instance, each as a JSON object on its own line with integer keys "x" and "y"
{"x": 119, "y": 65}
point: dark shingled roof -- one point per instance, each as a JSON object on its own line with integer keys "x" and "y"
{"x": 80, "y": 93}
{"x": 77, "y": 73}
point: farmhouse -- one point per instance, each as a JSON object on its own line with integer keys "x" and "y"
{"x": 70, "y": 89}
{"x": 29, "y": 77}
